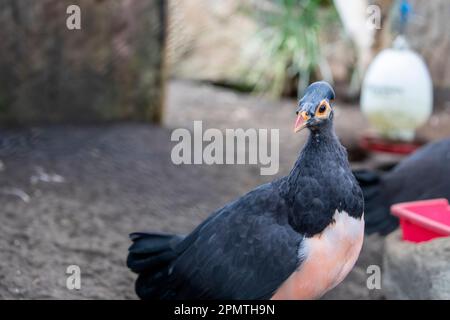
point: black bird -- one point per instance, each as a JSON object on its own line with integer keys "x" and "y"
{"x": 294, "y": 238}
{"x": 423, "y": 175}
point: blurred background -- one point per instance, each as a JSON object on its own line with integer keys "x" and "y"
{"x": 86, "y": 117}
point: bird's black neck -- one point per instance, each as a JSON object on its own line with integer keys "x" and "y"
{"x": 321, "y": 147}
{"x": 320, "y": 183}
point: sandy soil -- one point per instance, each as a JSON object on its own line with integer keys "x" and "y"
{"x": 70, "y": 195}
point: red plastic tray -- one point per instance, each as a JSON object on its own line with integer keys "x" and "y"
{"x": 373, "y": 143}
{"x": 423, "y": 220}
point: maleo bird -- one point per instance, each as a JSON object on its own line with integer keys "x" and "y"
{"x": 294, "y": 238}
{"x": 423, "y": 175}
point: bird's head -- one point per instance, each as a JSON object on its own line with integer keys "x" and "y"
{"x": 314, "y": 109}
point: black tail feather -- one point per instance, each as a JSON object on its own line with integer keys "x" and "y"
{"x": 377, "y": 216}
{"x": 150, "y": 256}
{"x": 151, "y": 252}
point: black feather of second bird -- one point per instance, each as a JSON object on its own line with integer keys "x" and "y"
{"x": 423, "y": 175}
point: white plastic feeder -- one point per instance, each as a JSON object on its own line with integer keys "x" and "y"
{"x": 397, "y": 94}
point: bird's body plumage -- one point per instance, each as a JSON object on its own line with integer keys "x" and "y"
{"x": 422, "y": 175}
{"x": 295, "y": 237}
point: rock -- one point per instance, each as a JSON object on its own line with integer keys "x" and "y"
{"x": 206, "y": 39}
{"x": 429, "y": 34}
{"x": 416, "y": 271}
{"x": 214, "y": 41}
{"x": 110, "y": 69}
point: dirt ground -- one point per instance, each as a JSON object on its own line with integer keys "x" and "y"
{"x": 70, "y": 195}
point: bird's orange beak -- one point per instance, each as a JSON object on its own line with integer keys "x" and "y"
{"x": 301, "y": 122}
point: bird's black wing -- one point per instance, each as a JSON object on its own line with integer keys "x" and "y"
{"x": 244, "y": 251}
{"x": 422, "y": 175}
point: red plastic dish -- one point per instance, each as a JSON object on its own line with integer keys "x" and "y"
{"x": 377, "y": 144}
{"x": 423, "y": 220}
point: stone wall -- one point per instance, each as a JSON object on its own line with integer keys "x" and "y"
{"x": 111, "y": 69}
{"x": 207, "y": 38}
{"x": 429, "y": 34}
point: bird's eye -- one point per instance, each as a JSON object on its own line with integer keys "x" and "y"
{"x": 322, "y": 108}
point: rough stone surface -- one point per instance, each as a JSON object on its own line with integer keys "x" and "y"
{"x": 429, "y": 34}
{"x": 206, "y": 39}
{"x": 416, "y": 271}
{"x": 214, "y": 41}
{"x": 110, "y": 69}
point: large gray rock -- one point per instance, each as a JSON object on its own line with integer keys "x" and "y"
{"x": 110, "y": 69}
{"x": 206, "y": 39}
{"x": 416, "y": 270}
{"x": 429, "y": 34}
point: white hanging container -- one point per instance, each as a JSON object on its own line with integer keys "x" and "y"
{"x": 397, "y": 92}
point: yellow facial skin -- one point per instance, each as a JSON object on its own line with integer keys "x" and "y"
{"x": 323, "y": 111}
{"x": 305, "y": 116}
